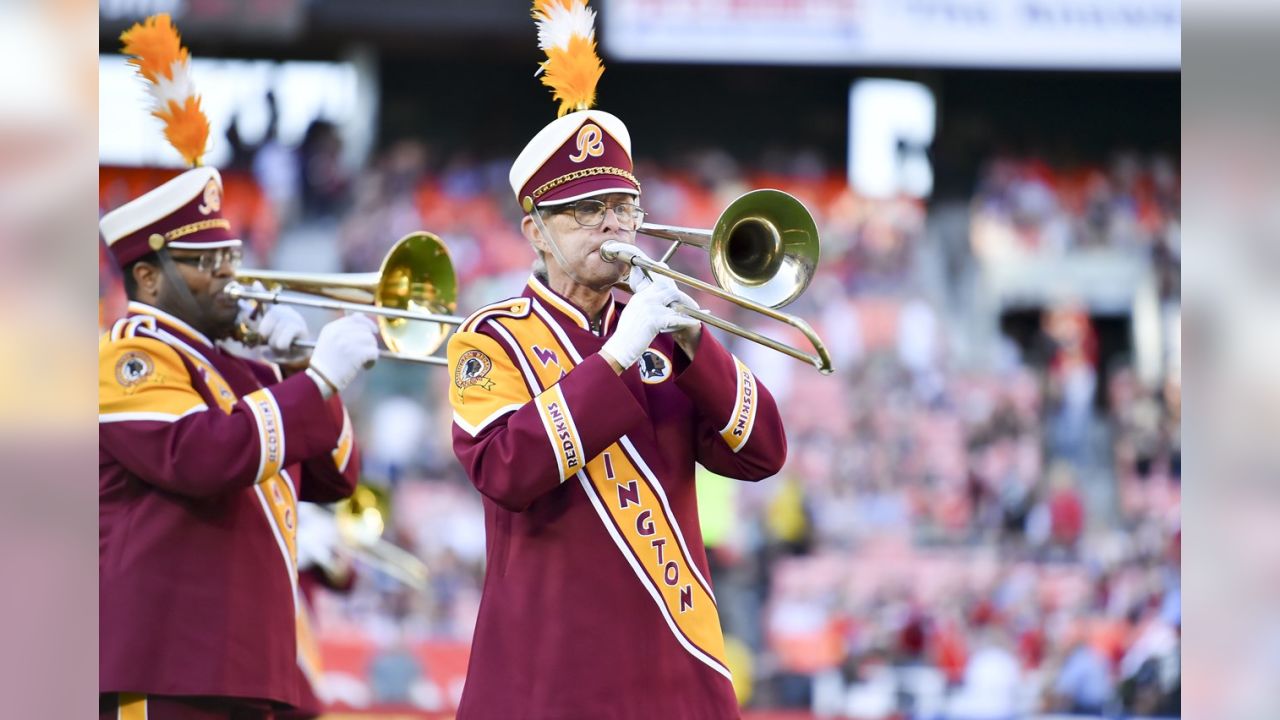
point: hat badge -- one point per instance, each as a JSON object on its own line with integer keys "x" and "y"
{"x": 212, "y": 198}
{"x": 590, "y": 143}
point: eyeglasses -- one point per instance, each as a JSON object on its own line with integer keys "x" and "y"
{"x": 590, "y": 213}
{"x": 212, "y": 260}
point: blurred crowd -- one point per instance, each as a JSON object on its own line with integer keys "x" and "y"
{"x": 945, "y": 540}
{"x": 1025, "y": 204}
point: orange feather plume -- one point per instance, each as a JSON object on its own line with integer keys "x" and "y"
{"x": 566, "y": 32}
{"x": 572, "y": 74}
{"x": 186, "y": 128}
{"x": 158, "y": 55}
{"x": 154, "y": 46}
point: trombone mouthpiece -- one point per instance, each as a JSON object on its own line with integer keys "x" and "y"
{"x": 612, "y": 251}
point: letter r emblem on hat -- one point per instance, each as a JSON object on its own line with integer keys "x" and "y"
{"x": 212, "y": 198}
{"x": 590, "y": 143}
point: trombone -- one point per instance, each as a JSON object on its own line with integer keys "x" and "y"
{"x": 763, "y": 249}
{"x": 413, "y": 295}
{"x": 357, "y": 524}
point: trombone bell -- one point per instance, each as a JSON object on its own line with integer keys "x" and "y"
{"x": 359, "y": 521}
{"x": 764, "y": 248}
{"x": 416, "y": 276}
{"x": 413, "y": 295}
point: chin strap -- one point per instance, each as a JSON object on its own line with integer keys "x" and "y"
{"x": 190, "y": 308}
{"x": 536, "y": 214}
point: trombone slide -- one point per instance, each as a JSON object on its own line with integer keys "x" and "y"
{"x": 238, "y": 291}
{"x": 386, "y": 354}
{"x": 820, "y": 358}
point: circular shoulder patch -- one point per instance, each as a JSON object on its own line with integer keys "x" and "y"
{"x": 133, "y": 367}
{"x": 654, "y": 366}
{"x": 472, "y": 368}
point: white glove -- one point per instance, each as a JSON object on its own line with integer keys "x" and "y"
{"x": 644, "y": 317}
{"x": 636, "y": 279}
{"x": 345, "y": 346}
{"x": 639, "y": 279}
{"x": 247, "y": 319}
{"x": 317, "y": 537}
{"x": 280, "y": 327}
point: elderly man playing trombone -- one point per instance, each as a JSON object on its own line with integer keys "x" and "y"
{"x": 203, "y": 457}
{"x": 579, "y": 418}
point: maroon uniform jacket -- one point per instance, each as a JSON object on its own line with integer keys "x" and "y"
{"x": 203, "y": 457}
{"x": 596, "y": 599}
{"x": 310, "y": 661}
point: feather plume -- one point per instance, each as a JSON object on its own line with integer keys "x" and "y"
{"x": 566, "y": 32}
{"x": 156, "y": 52}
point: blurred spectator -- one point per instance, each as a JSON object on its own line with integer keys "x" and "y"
{"x": 275, "y": 166}
{"x": 1066, "y": 511}
{"x": 325, "y": 184}
{"x": 992, "y": 681}
{"x": 1083, "y": 685}
{"x": 1151, "y": 670}
{"x": 393, "y": 674}
{"x": 398, "y": 426}
{"x": 1072, "y": 377}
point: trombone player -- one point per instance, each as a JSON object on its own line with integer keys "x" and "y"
{"x": 579, "y": 418}
{"x": 204, "y": 456}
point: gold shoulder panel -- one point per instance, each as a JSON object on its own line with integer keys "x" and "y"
{"x": 485, "y": 382}
{"x": 143, "y": 377}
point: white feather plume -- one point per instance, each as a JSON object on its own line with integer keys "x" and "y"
{"x": 177, "y": 89}
{"x": 562, "y": 22}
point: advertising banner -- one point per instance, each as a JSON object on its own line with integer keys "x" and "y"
{"x": 1047, "y": 34}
